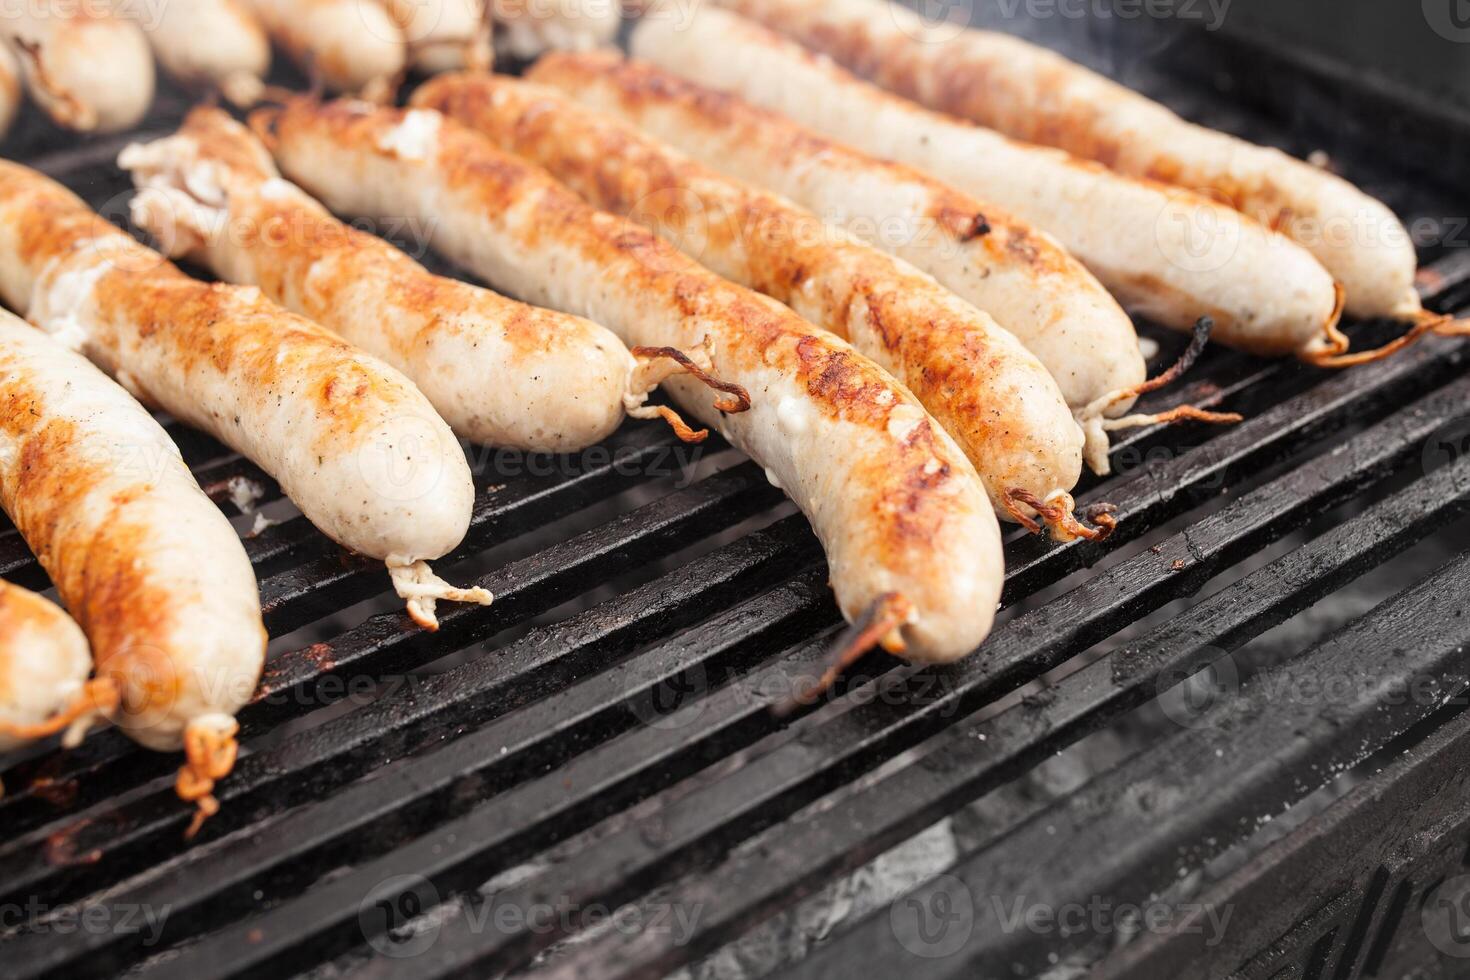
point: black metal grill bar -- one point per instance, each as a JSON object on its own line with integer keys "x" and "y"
{"x": 608, "y": 872}
{"x": 1311, "y": 859}
{"x": 517, "y": 504}
{"x": 1443, "y": 285}
{"x": 304, "y": 592}
{"x": 212, "y": 477}
{"x": 141, "y": 832}
{"x": 519, "y": 743}
{"x": 501, "y": 512}
{"x": 969, "y": 760}
{"x": 1164, "y": 490}
{"x": 534, "y": 814}
{"x": 1248, "y": 757}
{"x": 813, "y": 758}
{"x": 290, "y": 601}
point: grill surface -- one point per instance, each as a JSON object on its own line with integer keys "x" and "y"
{"x": 603, "y": 727}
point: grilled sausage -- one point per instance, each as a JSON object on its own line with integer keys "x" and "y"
{"x": 44, "y": 669}
{"x": 529, "y": 27}
{"x": 988, "y": 391}
{"x": 1167, "y": 253}
{"x": 909, "y": 532}
{"x": 350, "y": 45}
{"x": 90, "y": 71}
{"x": 560, "y": 383}
{"x": 1019, "y": 275}
{"x": 444, "y": 35}
{"x": 1030, "y": 93}
{"x": 218, "y": 43}
{"x": 350, "y": 440}
{"x": 150, "y": 568}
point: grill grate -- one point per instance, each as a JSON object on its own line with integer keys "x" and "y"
{"x": 605, "y": 720}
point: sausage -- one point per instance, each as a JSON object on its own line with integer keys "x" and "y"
{"x": 1168, "y": 254}
{"x": 89, "y": 70}
{"x": 987, "y": 390}
{"x": 444, "y": 35}
{"x": 911, "y": 539}
{"x": 218, "y": 43}
{"x": 561, "y": 382}
{"x": 10, "y": 94}
{"x": 1019, "y": 275}
{"x": 1033, "y": 94}
{"x": 530, "y": 27}
{"x": 44, "y": 669}
{"x": 149, "y": 566}
{"x": 350, "y": 440}
{"x": 350, "y": 45}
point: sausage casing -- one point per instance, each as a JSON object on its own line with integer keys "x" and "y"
{"x": 89, "y": 70}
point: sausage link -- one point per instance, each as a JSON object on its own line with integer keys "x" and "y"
{"x": 149, "y": 566}
{"x": 976, "y": 379}
{"x": 1166, "y": 253}
{"x": 90, "y": 71}
{"x": 895, "y": 502}
{"x": 218, "y": 43}
{"x": 561, "y": 382}
{"x": 350, "y": 440}
{"x": 351, "y": 45}
{"x": 444, "y": 35}
{"x": 44, "y": 667}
